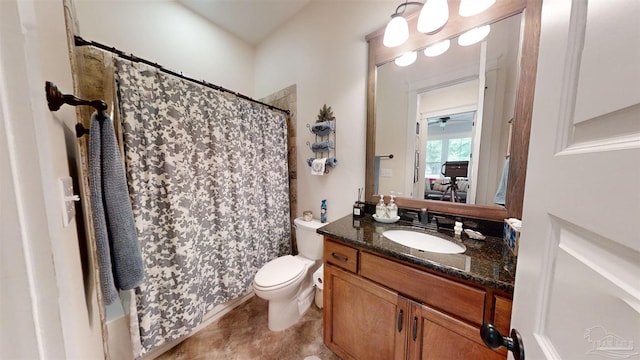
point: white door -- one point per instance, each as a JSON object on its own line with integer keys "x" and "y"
{"x": 578, "y": 276}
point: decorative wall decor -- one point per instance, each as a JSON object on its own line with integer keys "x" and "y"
{"x": 324, "y": 147}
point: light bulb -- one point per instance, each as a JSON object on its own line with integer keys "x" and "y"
{"x": 474, "y": 35}
{"x": 437, "y": 48}
{"x": 433, "y": 16}
{"x": 406, "y": 59}
{"x": 473, "y": 7}
{"x": 396, "y": 32}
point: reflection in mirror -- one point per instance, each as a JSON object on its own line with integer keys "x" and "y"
{"x": 447, "y": 138}
{"x": 454, "y": 107}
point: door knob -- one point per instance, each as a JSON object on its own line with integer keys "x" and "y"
{"x": 493, "y": 339}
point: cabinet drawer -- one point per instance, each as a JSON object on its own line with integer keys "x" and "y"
{"x": 462, "y": 301}
{"x": 340, "y": 255}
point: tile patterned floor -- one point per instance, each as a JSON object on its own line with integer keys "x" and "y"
{"x": 242, "y": 334}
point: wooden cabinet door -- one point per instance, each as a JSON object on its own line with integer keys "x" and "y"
{"x": 434, "y": 335}
{"x": 362, "y": 320}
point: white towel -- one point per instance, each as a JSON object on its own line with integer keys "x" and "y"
{"x": 317, "y": 166}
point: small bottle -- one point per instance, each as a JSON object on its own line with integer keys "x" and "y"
{"x": 323, "y": 211}
{"x": 381, "y": 208}
{"x": 358, "y": 206}
{"x": 358, "y": 209}
{"x": 458, "y": 228}
{"x": 393, "y": 208}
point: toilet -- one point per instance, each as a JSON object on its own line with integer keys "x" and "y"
{"x": 287, "y": 282}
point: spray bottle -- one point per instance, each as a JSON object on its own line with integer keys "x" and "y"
{"x": 323, "y": 211}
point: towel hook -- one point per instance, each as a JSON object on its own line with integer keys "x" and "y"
{"x": 55, "y": 99}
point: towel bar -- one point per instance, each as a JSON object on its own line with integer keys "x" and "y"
{"x": 55, "y": 99}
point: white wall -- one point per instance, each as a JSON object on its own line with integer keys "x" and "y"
{"x": 323, "y": 51}
{"x": 171, "y": 35}
{"x": 450, "y": 97}
{"x": 45, "y": 310}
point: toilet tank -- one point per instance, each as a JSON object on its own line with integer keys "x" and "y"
{"x": 308, "y": 240}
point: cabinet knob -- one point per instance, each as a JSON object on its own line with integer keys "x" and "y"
{"x": 493, "y": 339}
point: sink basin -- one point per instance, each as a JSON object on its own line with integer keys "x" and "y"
{"x": 424, "y": 242}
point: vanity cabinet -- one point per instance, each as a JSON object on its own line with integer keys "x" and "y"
{"x": 435, "y": 335}
{"x": 379, "y": 308}
{"x": 363, "y": 320}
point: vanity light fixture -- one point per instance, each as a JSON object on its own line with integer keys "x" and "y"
{"x": 437, "y": 48}
{"x": 433, "y": 16}
{"x": 474, "y": 35}
{"x": 396, "y": 32}
{"x": 473, "y": 7}
{"x": 406, "y": 59}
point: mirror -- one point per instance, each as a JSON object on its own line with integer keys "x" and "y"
{"x": 412, "y": 168}
{"x": 440, "y": 109}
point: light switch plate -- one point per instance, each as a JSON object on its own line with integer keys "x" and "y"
{"x": 68, "y": 207}
{"x": 386, "y": 173}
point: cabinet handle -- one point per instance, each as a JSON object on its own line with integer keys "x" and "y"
{"x": 400, "y": 321}
{"x": 341, "y": 258}
{"x": 493, "y": 339}
{"x": 415, "y": 328}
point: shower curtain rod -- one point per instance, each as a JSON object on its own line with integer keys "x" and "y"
{"x": 79, "y": 41}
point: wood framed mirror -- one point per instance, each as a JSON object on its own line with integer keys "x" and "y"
{"x": 380, "y": 55}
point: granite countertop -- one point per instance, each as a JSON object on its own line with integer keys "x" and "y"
{"x": 488, "y": 263}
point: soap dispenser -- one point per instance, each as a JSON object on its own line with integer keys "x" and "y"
{"x": 381, "y": 208}
{"x": 393, "y": 208}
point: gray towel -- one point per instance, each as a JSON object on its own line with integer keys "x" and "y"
{"x": 119, "y": 256}
{"x": 323, "y": 128}
{"x": 322, "y": 146}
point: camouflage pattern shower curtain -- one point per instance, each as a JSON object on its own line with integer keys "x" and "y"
{"x": 207, "y": 175}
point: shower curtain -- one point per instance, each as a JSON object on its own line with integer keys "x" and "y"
{"x": 207, "y": 175}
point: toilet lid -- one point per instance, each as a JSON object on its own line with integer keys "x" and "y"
{"x": 279, "y": 271}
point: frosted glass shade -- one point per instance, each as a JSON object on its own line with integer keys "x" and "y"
{"x": 433, "y": 16}
{"x": 438, "y": 48}
{"x": 396, "y": 32}
{"x": 473, "y": 7}
{"x": 474, "y": 35}
{"x": 406, "y": 59}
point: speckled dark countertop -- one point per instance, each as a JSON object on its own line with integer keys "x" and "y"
{"x": 487, "y": 263}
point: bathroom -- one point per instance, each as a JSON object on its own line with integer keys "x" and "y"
{"x": 321, "y": 51}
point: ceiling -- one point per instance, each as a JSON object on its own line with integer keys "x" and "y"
{"x": 249, "y": 20}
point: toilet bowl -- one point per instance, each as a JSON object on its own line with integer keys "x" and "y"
{"x": 287, "y": 282}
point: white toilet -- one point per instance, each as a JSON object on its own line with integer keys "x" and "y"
{"x": 287, "y": 282}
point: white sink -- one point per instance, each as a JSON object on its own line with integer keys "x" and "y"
{"x": 424, "y": 242}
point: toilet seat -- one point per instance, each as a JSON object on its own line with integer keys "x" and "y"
{"x": 279, "y": 272}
